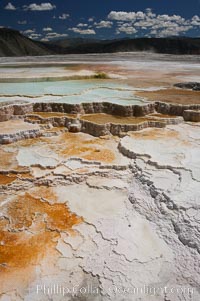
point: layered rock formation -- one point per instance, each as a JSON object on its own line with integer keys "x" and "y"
{"x": 69, "y": 116}
{"x": 102, "y": 107}
{"x": 8, "y": 111}
{"x": 191, "y": 115}
{"x": 12, "y": 131}
{"x": 174, "y": 109}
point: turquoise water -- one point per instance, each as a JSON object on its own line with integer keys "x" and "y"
{"x": 76, "y": 91}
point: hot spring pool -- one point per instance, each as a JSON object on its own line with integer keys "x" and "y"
{"x": 70, "y": 91}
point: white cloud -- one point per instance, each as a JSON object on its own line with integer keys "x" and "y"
{"x": 47, "y": 29}
{"x": 10, "y": 6}
{"x": 130, "y": 16}
{"x": 170, "y": 31}
{"x": 55, "y": 35}
{"x": 121, "y": 16}
{"x": 82, "y": 25}
{"x": 64, "y": 16}
{"x": 158, "y": 25}
{"x": 35, "y": 36}
{"x": 91, "y": 19}
{"x": 24, "y": 22}
{"x": 144, "y": 23}
{"x": 44, "y": 40}
{"x": 195, "y": 18}
{"x": 104, "y": 24}
{"x": 126, "y": 28}
{"x": 29, "y": 31}
{"x": 195, "y": 21}
{"x": 82, "y": 31}
{"x": 39, "y": 7}
{"x": 140, "y": 15}
{"x": 149, "y": 13}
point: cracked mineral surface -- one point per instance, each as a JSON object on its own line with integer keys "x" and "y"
{"x": 109, "y": 212}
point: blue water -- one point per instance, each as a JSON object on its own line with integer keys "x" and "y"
{"x": 75, "y": 91}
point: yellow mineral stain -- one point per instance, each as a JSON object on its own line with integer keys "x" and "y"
{"x": 82, "y": 170}
{"x": 57, "y": 129}
{"x": 104, "y": 155}
{"x": 26, "y": 175}
{"x": 172, "y": 95}
{"x": 69, "y": 145}
{"x": 54, "y": 114}
{"x": 102, "y": 118}
{"x": 56, "y": 216}
{"x": 44, "y": 193}
{"x": 16, "y": 126}
{"x": 20, "y": 250}
{"x": 75, "y": 150}
{"x": 30, "y": 227}
{"x": 64, "y": 145}
{"x": 155, "y": 134}
{"x": 32, "y": 118}
{"x": 8, "y": 160}
{"x": 162, "y": 115}
{"x": 27, "y": 142}
{"x": 7, "y": 179}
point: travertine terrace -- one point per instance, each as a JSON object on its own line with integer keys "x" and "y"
{"x": 99, "y": 182}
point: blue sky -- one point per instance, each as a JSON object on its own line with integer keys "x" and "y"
{"x": 104, "y": 19}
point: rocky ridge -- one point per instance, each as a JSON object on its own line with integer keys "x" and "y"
{"x": 70, "y": 117}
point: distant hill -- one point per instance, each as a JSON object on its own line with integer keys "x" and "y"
{"x": 72, "y": 42}
{"x": 158, "y": 45}
{"x": 13, "y": 43}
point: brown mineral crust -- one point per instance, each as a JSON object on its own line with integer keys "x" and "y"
{"x": 53, "y": 114}
{"x": 56, "y": 216}
{"x": 191, "y": 115}
{"x": 155, "y": 134}
{"x": 104, "y": 155}
{"x": 69, "y": 145}
{"x": 21, "y": 250}
{"x": 29, "y": 228}
{"x": 7, "y": 160}
{"x": 172, "y": 95}
{"x": 25, "y": 175}
{"x": 7, "y": 179}
{"x": 107, "y": 118}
